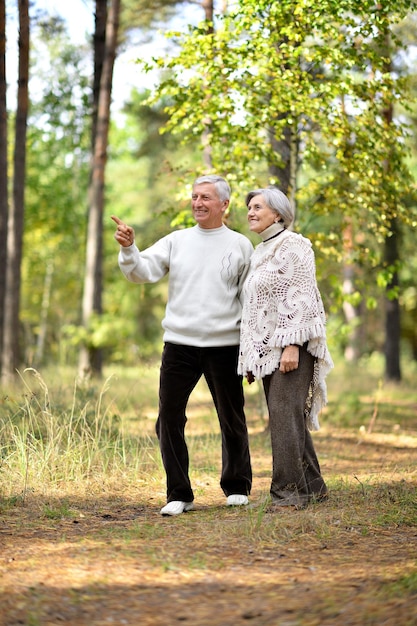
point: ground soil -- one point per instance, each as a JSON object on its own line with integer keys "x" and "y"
{"x": 114, "y": 560}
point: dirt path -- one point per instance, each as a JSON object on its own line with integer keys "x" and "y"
{"x": 114, "y": 560}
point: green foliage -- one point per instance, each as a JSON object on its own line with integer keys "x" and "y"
{"x": 57, "y": 175}
{"x": 145, "y": 189}
{"x": 138, "y": 173}
{"x": 321, "y": 69}
{"x": 318, "y": 68}
{"x": 331, "y": 76}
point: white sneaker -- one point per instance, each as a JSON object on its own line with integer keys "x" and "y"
{"x": 176, "y": 507}
{"x": 237, "y": 500}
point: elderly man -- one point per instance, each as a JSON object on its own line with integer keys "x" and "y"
{"x": 207, "y": 265}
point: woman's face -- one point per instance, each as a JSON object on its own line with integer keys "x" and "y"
{"x": 260, "y": 216}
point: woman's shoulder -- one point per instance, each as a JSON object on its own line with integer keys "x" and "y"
{"x": 296, "y": 239}
{"x": 298, "y": 245}
{"x": 287, "y": 243}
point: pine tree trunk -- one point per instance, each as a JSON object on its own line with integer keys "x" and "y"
{"x": 90, "y": 359}
{"x": 392, "y": 311}
{"x": 392, "y": 305}
{"x": 4, "y": 196}
{"x": 99, "y": 56}
{"x": 11, "y": 352}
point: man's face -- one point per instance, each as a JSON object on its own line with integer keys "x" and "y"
{"x": 208, "y": 210}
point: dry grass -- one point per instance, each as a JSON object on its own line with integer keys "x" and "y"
{"x": 82, "y": 541}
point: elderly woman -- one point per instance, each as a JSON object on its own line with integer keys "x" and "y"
{"x": 283, "y": 342}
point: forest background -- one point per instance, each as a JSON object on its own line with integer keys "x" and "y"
{"x": 315, "y": 97}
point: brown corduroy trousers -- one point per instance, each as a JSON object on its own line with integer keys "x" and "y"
{"x": 296, "y": 477}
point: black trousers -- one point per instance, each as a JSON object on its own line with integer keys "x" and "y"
{"x": 181, "y": 369}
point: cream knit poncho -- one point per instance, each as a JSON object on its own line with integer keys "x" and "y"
{"x": 282, "y": 306}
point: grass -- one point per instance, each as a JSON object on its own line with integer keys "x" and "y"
{"x": 56, "y": 432}
{"x": 52, "y": 436}
{"x": 81, "y": 484}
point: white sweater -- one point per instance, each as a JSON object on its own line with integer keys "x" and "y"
{"x": 207, "y": 268}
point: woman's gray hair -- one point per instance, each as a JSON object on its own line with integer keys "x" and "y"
{"x": 221, "y": 185}
{"x": 276, "y": 201}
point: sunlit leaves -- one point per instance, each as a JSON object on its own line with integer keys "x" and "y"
{"x": 322, "y": 69}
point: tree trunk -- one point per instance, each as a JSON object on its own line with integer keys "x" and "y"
{"x": 43, "y": 322}
{"x": 99, "y": 39}
{"x": 90, "y": 361}
{"x": 10, "y": 354}
{"x": 392, "y": 305}
{"x": 283, "y": 147}
{"x": 208, "y": 8}
{"x": 352, "y": 348}
{"x": 4, "y": 196}
{"x": 286, "y": 173}
{"x": 392, "y": 310}
{"x": 286, "y": 145}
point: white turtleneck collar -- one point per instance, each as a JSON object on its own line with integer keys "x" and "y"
{"x": 272, "y": 231}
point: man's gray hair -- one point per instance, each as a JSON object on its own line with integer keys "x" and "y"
{"x": 277, "y": 201}
{"x": 221, "y": 185}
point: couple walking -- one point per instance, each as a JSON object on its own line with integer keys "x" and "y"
{"x": 278, "y": 335}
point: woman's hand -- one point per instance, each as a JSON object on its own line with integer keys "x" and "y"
{"x": 125, "y": 235}
{"x": 289, "y": 359}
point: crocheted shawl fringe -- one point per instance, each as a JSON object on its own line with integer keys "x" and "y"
{"x": 315, "y": 335}
{"x": 259, "y": 370}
